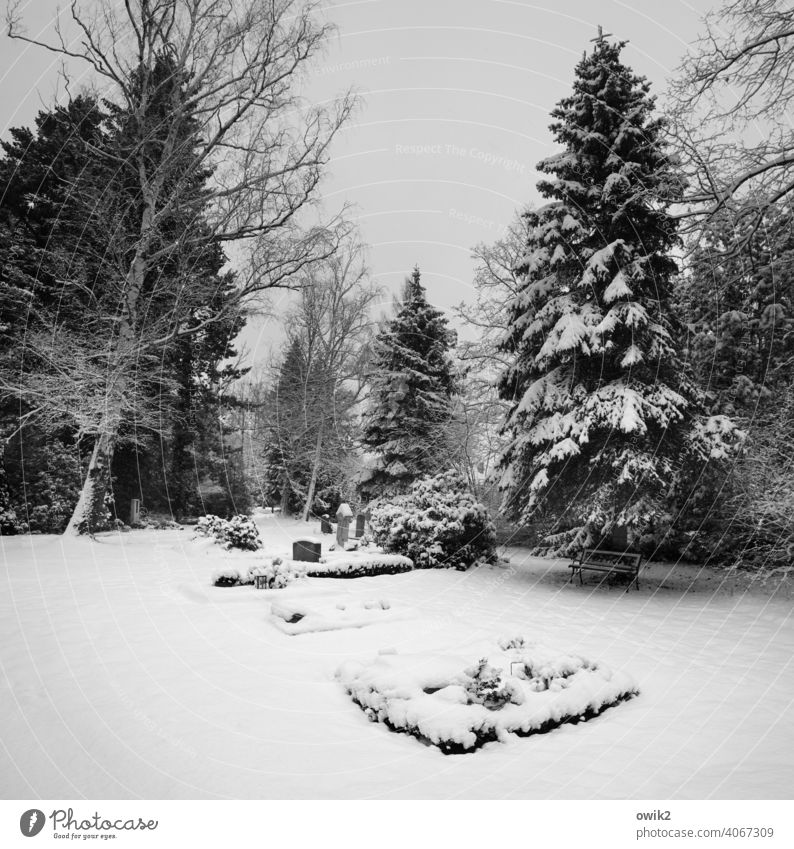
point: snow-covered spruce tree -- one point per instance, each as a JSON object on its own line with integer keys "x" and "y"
{"x": 410, "y": 399}
{"x": 604, "y": 419}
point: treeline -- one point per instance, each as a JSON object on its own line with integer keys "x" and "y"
{"x": 116, "y": 302}
{"x": 60, "y": 193}
{"x": 631, "y": 381}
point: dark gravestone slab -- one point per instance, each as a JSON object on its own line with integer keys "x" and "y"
{"x": 306, "y": 550}
{"x": 360, "y": 520}
{"x": 325, "y": 525}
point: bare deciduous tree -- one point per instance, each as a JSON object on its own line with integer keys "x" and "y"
{"x": 479, "y": 412}
{"x": 732, "y": 111}
{"x": 205, "y": 87}
{"x": 335, "y": 323}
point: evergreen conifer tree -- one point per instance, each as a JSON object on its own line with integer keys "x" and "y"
{"x": 286, "y": 443}
{"x": 603, "y": 417}
{"x": 739, "y": 308}
{"x": 410, "y": 400}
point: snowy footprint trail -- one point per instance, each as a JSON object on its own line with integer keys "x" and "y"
{"x": 124, "y": 673}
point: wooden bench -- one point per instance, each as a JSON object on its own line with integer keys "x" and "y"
{"x": 608, "y": 562}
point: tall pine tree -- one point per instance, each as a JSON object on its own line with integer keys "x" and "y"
{"x": 603, "y": 417}
{"x": 410, "y": 401}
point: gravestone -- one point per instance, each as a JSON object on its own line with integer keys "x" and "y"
{"x": 306, "y": 550}
{"x": 344, "y": 516}
{"x": 360, "y": 521}
{"x": 135, "y": 511}
{"x": 325, "y": 524}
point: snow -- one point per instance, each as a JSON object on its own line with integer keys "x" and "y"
{"x": 307, "y": 618}
{"x": 599, "y": 263}
{"x": 125, "y": 674}
{"x": 631, "y": 420}
{"x": 632, "y": 356}
{"x": 618, "y": 288}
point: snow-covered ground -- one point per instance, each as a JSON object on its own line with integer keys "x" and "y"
{"x": 126, "y": 674}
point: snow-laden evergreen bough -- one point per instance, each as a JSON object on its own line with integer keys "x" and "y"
{"x": 606, "y": 427}
{"x": 517, "y": 688}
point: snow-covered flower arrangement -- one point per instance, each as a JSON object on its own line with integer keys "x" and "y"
{"x": 438, "y": 524}
{"x": 238, "y": 532}
{"x": 486, "y": 687}
{"x": 277, "y": 574}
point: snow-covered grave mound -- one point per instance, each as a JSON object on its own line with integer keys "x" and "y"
{"x": 448, "y": 701}
{"x": 276, "y": 573}
{"x": 298, "y": 617}
{"x": 358, "y": 564}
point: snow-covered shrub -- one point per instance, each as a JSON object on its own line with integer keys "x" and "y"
{"x": 241, "y": 532}
{"x": 10, "y": 523}
{"x": 227, "y": 576}
{"x": 43, "y": 482}
{"x": 437, "y": 524}
{"x": 210, "y": 526}
{"x": 237, "y": 532}
{"x": 359, "y": 564}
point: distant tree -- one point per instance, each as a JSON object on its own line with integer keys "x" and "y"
{"x": 738, "y": 304}
{"x": 739, "y": 309}
{"x": 286, "y": 445}
{"x": 321, "y": 380}
{"x": 205, "y": 370}
{"x": 334, "y": 318}
{"x": 479, "y": 412}
{"x": 410, "y": 400}
{"x": 604, "y": 421}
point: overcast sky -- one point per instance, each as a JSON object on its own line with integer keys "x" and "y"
{"x": 454, "y": 114}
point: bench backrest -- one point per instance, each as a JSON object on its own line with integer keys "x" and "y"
{"x": 627, "y": 559}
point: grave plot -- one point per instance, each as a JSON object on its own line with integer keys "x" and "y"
{"x": 358, "y": 564}
{"x": 298, "y": 617}
{"x": 460, "y": 703}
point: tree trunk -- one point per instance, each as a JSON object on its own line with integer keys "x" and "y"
{"x": 285, "y": 494}
{"x": 315, "y": 470}
{"x": 89, "y": 514}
